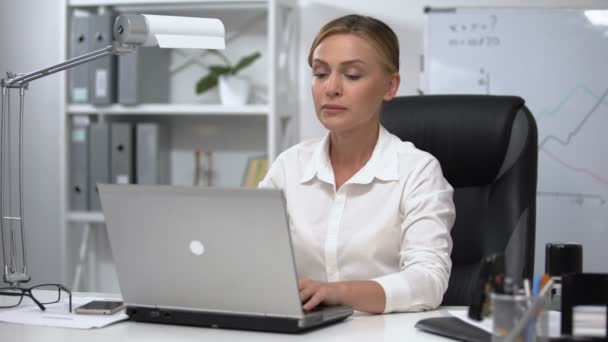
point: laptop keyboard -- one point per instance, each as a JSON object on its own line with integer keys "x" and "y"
{"x": 327, "y": 310}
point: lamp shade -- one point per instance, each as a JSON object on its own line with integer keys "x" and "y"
{"x": 169, "y": 31}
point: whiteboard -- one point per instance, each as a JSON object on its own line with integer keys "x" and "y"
{"x": 557, "y": 60}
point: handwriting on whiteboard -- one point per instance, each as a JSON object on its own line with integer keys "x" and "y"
{"x": 475, "y": 34}
{"x": 484, "y": 41}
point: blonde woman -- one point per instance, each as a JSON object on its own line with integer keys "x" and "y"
{"x": 370, "y": 215}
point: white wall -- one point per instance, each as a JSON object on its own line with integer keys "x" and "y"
{"x": 407, "y": 19}
{"x": 31, "y": 34}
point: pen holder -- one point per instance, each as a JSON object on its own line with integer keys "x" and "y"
{"x": 507, "y": 310}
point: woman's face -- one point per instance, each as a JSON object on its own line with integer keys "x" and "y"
{"x": 349, "y": 83}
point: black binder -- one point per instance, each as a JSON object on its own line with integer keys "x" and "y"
{"x": 102, "y": 75}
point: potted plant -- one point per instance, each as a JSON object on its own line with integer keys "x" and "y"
{"x": 233, "y": 90}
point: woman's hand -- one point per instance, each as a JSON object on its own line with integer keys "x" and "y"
{"x": 362, "y": 295}
{"x": 313, "y": 293}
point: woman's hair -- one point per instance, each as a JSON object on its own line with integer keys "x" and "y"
{"x": 377, "y": 33}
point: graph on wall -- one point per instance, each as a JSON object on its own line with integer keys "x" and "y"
{"x": 557, "y": 60}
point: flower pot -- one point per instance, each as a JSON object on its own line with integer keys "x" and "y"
{"x": 233, "y": 90}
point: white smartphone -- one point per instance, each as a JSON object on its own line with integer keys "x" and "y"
{"x": 100, "y": 307}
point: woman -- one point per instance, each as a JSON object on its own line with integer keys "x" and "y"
{"x": 370, "y": 215}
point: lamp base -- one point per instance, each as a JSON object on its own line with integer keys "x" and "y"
{"x": 14, "y": 279}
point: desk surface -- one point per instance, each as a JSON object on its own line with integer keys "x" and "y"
{"x": 359, "y": 327}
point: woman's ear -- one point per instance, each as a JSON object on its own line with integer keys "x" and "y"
{"x": 393, "y": 85}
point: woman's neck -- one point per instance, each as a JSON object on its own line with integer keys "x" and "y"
{"x": 352, "y": 149}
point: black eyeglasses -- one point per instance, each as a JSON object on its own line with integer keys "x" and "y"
{"x": 40, "y": 294}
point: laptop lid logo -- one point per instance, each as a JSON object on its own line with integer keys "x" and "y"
{"x": 197, "y": 248}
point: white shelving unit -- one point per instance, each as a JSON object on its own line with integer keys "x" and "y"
{"x": 170, "y": 109}
{"x": 266, "y": 126}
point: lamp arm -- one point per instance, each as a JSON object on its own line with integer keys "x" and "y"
{"x": 130, "y": 31}
{"x": 7, "y": 221}
{"x": 21, "y": 81}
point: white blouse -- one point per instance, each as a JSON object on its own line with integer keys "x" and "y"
{"x": 389, "y": 223}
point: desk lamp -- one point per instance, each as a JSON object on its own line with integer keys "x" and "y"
{"x": 130, "y": 31}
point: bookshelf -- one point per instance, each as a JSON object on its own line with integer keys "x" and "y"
{"x": 235, "y": 134}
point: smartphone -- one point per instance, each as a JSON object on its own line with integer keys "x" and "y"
{"x": 100, "y": 307}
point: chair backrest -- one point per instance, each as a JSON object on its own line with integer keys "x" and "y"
{"x": 582, "y": 289}
{"x": 488, "y": 150}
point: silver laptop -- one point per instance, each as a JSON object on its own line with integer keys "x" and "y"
{"x": 207, "y": 256}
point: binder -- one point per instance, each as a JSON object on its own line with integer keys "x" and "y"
{"x": 121, "y": 154}
{"x": 255, "y": 171}
{"x": 152, "y": 154}
{"x": 101, "y": 71}
{"x": 78, "y": 77}
{"x": 99, "y": 166}
{"x": 79, "y": 163}
{"x": 142, "y": 76}
{"x": 128, "y": 90}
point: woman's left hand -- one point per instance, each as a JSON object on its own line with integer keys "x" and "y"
{"x": 313, "y": 293}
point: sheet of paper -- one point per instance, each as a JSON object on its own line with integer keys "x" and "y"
{"x": 589, "y": 320}
{"x": 58, "y": 315}
{"x": 485, "y": 324}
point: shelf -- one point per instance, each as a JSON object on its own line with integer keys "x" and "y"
{"x": 85, "y": 216}
{"x": 169, "y": 109}
{"x": 223, "y": 3}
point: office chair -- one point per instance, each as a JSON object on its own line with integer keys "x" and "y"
{"x": 487, "y": 148}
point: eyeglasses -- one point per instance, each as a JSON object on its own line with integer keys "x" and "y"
{"x": 41, "y": 295}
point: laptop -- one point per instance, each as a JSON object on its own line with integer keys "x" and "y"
{"x": 214, "y": 257}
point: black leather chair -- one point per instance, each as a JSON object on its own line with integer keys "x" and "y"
{"x": 488, "y": 150}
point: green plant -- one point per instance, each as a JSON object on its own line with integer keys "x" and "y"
{"x": 215, "y": 71}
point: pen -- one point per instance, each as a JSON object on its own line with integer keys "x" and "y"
{"x": 536, "y": 285}
{"x": 544, "y": 279}
{"x": 529, "y": 303}
{"x": 527, "y": 291}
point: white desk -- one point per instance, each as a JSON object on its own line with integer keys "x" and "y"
{"x": 359, "y": 327}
